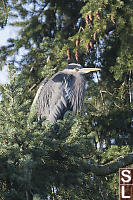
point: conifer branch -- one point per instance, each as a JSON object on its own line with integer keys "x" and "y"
{"x": 110, "y": 168}
{"x": 70, "y": 22}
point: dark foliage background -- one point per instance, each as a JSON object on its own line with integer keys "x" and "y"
{"x": 36, "y": 161}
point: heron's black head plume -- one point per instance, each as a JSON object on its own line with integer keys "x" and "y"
{"x": 73, "y": 66}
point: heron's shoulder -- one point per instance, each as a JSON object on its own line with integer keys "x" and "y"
{"x": 61, "y": 76}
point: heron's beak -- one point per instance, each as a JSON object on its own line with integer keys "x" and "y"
{"x": 87, "y": 70}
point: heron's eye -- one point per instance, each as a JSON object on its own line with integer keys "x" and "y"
{"x": 76, "y": 69}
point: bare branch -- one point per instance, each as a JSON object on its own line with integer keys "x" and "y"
{"x": 35, "y": 85}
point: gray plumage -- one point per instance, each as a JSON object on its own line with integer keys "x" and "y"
{"x": 63, "y": 92}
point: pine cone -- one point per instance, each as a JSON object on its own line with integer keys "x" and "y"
{"x": 88, "y": 47}
{"x": 98, "y": 15}
{"x": 113, "y": 20}
{"x": 77, "y": 42}
{"x": 68, "y": 54}
{"x": 91, "y": 44}
{"x": 77, "y": 55}
{"x": 87, "y": 19}
{"x": 95, "y": 36}
{"x": 90, "y": 17}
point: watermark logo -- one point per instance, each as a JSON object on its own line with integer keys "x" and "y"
{"x": 126, "y": 184}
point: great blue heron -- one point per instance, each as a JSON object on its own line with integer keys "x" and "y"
{"x": 63, "y": 92}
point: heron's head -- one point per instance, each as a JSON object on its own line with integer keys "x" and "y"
{"x": 78, "y": 68}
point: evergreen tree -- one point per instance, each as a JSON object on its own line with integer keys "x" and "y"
{"x": 66, "y": 164}
{"x": 3, "y": 13}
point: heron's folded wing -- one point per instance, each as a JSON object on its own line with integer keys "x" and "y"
{"x": 54, "y": 98}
